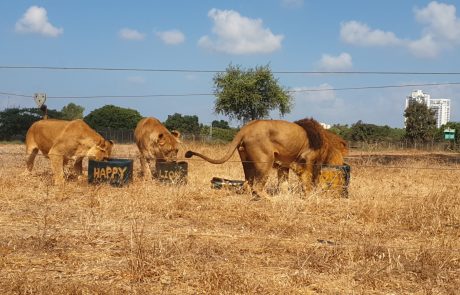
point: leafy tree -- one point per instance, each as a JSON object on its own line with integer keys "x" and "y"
{"x": 220, "y": 124}
{"x": 249, "y": 94}
{"x": 342, "y": 130}
{"x": 110, "y": 116}
{"x": 374, "y": 133}
{"x": 420, "y": 122}
{"x": 14, "y": 122}
{"x": 184, "y": 124}
{"x": 72, "y": 112}
{"x": 368, "y": 132}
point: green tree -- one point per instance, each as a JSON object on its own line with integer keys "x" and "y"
{"x": 368, "y": 132}
{"x": 110, "y": 116}
{"x": 220, "y": 124}
{"x": 72, "y": 112}
{"x": 420, "y": 122}
{"x": 184, "y": 124}
{"x": 249, "y": 94}
{"x": 14, "y": 122}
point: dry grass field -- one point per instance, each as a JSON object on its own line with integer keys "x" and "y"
{"x": 397, "y": 233}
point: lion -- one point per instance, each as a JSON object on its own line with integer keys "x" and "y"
{"x": 301, "y": 146}
{"x": 263, "y": 144}
{"x": 62, "y": 141}
{"x": 156, "y": 143}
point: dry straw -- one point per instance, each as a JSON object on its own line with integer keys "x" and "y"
{"x": 397, "y": 233}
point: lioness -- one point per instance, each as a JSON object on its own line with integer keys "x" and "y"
{"x": 155, "y": 142}
{"x": 64, "y": 140}
{"x": 263, "y": 144}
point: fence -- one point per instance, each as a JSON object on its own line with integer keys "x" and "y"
{"x": 433, "y": 146}
{"x": 127, "y": 136}
{"x": 117, "y": 135}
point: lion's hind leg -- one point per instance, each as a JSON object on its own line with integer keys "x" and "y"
{"x": 260, "y": 171}
{"x": 32, "y": 153}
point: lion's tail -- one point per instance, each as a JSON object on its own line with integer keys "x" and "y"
{"x": 233, "y": 145}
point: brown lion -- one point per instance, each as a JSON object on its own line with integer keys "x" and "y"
{"x": 262, "y": 144}
{"x": 155, "y": 143}
{"x": 299, "y": 146}
{"x": 62, "y": 141}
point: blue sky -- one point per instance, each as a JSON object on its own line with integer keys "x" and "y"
{"x": 295, "y": 36}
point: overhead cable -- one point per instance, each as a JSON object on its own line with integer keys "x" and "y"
{"x": 299, "y": 90}
{"x": 60, "y": 68}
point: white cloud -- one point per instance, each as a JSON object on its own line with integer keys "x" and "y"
{"x": 35, "y": 20}
{"x": 424, "y": 47}
{"x": 335, "y": 63}
{"x": 357, "y": 33}
{"x": 322, "y": 104}
{"x": 323, "y": 94}
{"x": 441, "y": 20}
{"x": 441, "y": 31}
{"x": 172, "y": 37}
{"x": 130, "y": 34}
{"x": 236, "y": 34}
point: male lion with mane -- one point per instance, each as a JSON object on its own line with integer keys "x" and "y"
{"x": 263, "y": 144}
{"x": 61, "y": 141}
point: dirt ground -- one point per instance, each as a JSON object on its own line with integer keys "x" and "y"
{"x": 398, "y": 232}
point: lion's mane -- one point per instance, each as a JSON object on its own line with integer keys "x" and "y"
{"x": 332, "y": 148}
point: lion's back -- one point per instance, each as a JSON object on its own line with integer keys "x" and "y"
{"x": 43, "y": 134}
{"x": 147, "y": 126}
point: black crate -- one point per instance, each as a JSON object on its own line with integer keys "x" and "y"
{"x": 117, "y": 172}
{"x": 171, "y": 172}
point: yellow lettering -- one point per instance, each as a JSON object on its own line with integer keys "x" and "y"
{"x": 102, "y": 173}
{"x": 96, "y": 172}
{"x": 108, "y": 171}
{"x": 122, "y": 172}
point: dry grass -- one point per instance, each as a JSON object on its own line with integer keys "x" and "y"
{"x": 397, "y": 233}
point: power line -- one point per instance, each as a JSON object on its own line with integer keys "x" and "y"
{"x": 14, "y": 94}
{"x": 57, "y": 68}
{"x": 374, "y": 87}
{"x": 211, "y": 94}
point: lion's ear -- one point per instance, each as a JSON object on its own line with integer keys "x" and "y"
{"x": 109, "y": 143}
{"x": 176, "y": 134}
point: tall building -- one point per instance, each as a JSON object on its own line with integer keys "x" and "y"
{"x": 440, "y": 106}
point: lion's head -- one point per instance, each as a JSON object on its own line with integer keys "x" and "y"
{"x": 332, "y": 148}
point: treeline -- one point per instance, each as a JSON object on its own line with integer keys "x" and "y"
{"x": 371, "y": 133}
{"x": 109, "y": 119}
{"x": 14, "y": 123}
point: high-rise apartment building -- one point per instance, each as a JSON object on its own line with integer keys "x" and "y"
{"x": 440, "y": 106}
